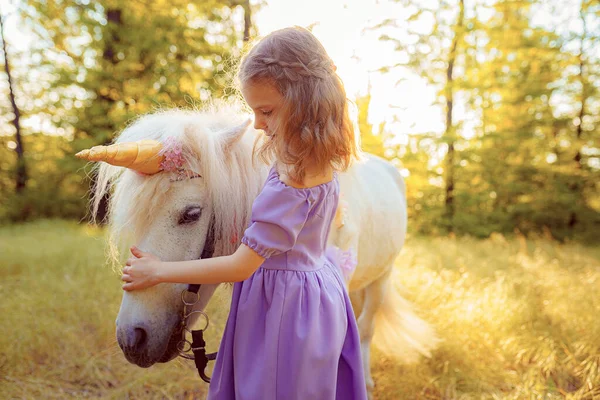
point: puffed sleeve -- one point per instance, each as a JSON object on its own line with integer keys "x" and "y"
{"x": 278, "y": 214}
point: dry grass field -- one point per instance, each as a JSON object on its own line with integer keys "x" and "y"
{"x": 519, "y": 319}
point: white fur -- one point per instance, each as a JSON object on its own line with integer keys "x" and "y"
{"x": 376, "y": 226}
{"x": 146, "y": 210}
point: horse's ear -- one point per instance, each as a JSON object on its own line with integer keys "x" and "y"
{"x": 231, "y": 136}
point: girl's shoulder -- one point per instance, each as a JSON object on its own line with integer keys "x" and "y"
{"x": 278, "y": 198}
{"x": 276, "y": 195}
{"x": 316, "y": 184}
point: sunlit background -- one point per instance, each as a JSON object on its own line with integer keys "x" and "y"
{"x": 490, "y": 109}
{"x": 523, "y": 90}
{"x": 345, "y": 29}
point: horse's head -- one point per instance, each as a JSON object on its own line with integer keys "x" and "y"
{"x": 194, "y": 200}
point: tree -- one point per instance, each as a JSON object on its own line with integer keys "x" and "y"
{"x": 121, "y": 59}
{"x": 449, "y": 133}
{"x": 245, "y": 4}
{"x": 21, "y": 170}
{"x": 586, "y": 121}
{"x": 521, "y": 105}
{"x": 111, "y": 61}
{"x": 526, "y": 157}
{"x": 434, "y": 54}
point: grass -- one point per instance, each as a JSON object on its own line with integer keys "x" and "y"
{"x": 518, "y": 318}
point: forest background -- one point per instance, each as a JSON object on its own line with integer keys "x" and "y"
{"x": 514, "y": 100}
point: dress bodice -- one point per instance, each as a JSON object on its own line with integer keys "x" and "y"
{"x": 290, "y": 226}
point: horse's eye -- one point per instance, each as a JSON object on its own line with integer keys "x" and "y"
{"x": 190, "y": 215}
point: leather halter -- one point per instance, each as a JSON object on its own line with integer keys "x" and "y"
{"x": 200, "y": 357}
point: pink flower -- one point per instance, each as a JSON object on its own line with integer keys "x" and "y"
{"x": 345, "y": 260}
{"x": 174, "y": 160}
{"x": 348, "y": 262}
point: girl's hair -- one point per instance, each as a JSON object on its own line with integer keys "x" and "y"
{"x": 312, "y": 128}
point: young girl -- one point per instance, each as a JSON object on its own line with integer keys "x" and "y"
{"x": 291, "y": 332}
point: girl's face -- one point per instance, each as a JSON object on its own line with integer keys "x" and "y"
{"x": 265, "y": 101}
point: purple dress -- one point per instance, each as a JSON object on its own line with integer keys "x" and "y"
{"x": 291, "y": 332}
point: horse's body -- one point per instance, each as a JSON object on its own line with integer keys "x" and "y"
{"x": 171, "y": 219}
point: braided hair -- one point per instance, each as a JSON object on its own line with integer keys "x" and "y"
{"x": 313, "y": 127}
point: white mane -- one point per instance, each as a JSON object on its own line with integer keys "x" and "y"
{"x": 229, "y": 173}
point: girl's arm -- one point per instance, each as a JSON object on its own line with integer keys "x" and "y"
{"x": 145, "y": 269}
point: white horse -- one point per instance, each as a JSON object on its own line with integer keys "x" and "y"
{"x": 170, "y": 216}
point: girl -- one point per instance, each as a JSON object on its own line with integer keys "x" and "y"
{"x": 291, "y": 332}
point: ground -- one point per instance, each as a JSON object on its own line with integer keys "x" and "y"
{"x": 518, "y": 319}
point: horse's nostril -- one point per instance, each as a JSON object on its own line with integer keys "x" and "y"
{"x": 135, "y": 339}
{"x": 140, "y": 337}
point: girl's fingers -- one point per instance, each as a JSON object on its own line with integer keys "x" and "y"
{"x": 137, "y": 252}
{"x": 130, "y": 260}
{"x": 126, "y": 278}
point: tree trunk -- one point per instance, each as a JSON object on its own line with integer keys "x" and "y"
{"x": 575, "y": 186}
{"x": 113, "y": 16}
{"x": 247, "y": 20}
{"x": 245, "y": 4}
{"x": 449, "y": 132}
{"x": 21, "y": 178}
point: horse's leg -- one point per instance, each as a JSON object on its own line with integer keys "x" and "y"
{"x": 357, "y": 299}
{"x": 372, "y": 297}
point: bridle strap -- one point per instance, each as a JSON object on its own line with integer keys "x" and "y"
{"x": 209, "y": 249}
{"x": 201, "y": 358}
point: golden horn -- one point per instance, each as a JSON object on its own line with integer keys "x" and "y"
{"x": 142, "y": 156}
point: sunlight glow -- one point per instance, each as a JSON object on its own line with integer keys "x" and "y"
{"x": 399, "y": 98}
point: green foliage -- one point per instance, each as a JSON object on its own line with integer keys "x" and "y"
{"x": 114, "y": 60}
{"x": 98, "y": 65}
{"x": 518, "y": 152}
{"x": 56, "y": 186}
{"x": 525, "y": 152}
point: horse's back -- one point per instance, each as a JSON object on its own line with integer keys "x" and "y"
{"x": 374, "y": 192}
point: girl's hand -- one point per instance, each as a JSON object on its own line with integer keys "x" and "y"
{"x": 141, "y": 271}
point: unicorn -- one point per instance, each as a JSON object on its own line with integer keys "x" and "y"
{"x": 184, "y": 181}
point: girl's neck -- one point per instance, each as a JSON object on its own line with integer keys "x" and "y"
{"x": 311, "y": 177}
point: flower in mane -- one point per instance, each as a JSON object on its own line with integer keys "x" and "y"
{"x": 174, "y": 159}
